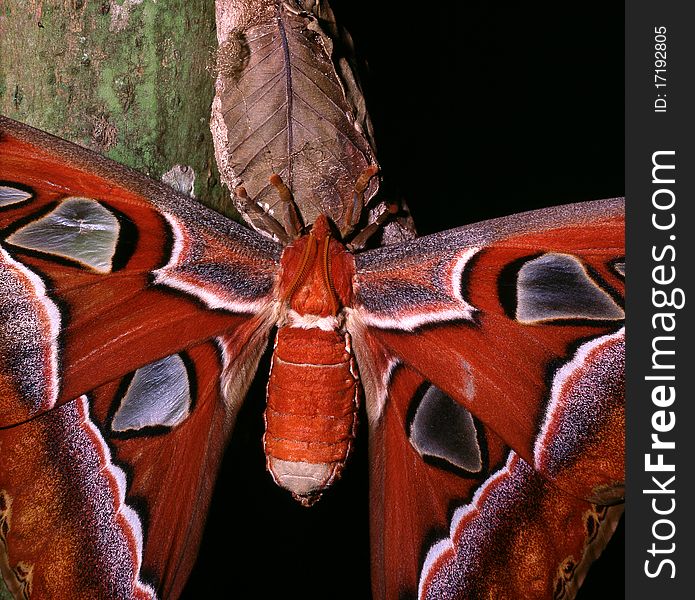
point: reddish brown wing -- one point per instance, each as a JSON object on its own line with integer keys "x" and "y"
{"x": 488, "y": 526}
{"x": 114, "y": 408}
{"x": 106, "y": 496}
{"x": 103, "y": 271}
{"x": 518, "y": 320}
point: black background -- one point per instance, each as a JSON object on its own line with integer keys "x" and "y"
{"x": 479, "y": 111}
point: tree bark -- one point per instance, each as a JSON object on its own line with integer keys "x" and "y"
{"x": 132, "y": 79}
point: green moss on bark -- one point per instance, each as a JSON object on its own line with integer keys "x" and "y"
{"x": 132, "y": 79}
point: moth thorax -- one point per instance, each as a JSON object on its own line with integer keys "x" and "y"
{"x": 311, "y": 412}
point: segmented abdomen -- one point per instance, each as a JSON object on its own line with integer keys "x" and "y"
{"x": 311, "y": 412}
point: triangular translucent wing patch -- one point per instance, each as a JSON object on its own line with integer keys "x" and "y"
{"x": 12, "y": 195}
{"x": 558, "y": 286}
{"x": 79, "y": 229}
{"x": 158, "y": 396}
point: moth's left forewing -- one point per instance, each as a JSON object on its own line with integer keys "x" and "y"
{"x": 132, "y": 320}
{"x": 516, "y": 323}
{"x": 104, "y": 270}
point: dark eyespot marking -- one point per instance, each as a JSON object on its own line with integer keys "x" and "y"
{"x": 444, "y": 430}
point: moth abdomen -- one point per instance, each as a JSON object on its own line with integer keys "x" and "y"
{"x": 311, "y": 413}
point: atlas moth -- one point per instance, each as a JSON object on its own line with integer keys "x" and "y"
{"x": 489, "y": 361}
{"x": 92, "y": 250}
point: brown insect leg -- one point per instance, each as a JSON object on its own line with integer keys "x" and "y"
{"x": 292, "y": 222}
{"x": 355, "y": 209}
{"x": 361, "y": 238}
{"x": 269, "y": 222}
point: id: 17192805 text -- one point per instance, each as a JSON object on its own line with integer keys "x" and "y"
{"x": 660, "y": 69}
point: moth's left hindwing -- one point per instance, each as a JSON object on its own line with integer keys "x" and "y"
{"x": 498, "y": 419}
{"x": 106, "y": 496}
{"x": 115, "y": 408}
